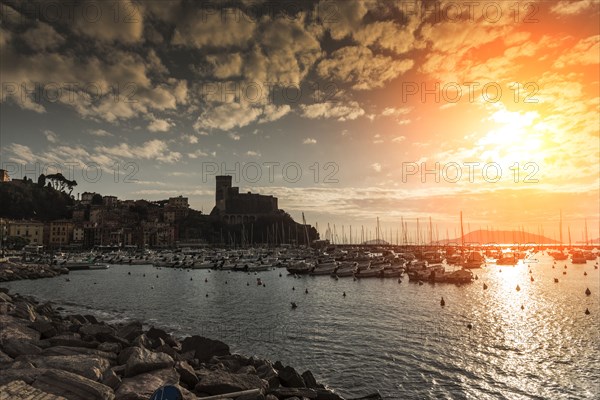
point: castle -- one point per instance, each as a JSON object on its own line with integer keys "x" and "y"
{"x": 234, "y": 207}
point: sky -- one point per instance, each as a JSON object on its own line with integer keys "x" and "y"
{"x": 347, "y": 110}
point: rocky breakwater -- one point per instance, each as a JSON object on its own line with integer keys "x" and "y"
{"x": 77, "y": 357}
{"x": 10, "y": 271}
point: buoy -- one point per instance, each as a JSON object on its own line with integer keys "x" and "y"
{"x": 151, "y": 287}
{"x": 129, "y": 273}
{"x": 470, "y": 326}
{"x": 476, "y": 277}
{"x": 226, "y": 282}
{"x": 294, "y": 305}
{"x": 587, "y": 311}
{"x": 532, "y": 279}
{"x": 206, "y": 294}
{"x": 553, "y": 267}
{"x": 67, "y": 280}
{"x": 585, "y": 274}
{"x": 293, "y": 288}
{"x": 191, "y": 279}
{"x": 280, "y": 274}
{"x": 157, "y": 276}
{"x": 518, "y": 288}
{"x": 205, "y": 279}
{"x": 500, "y": 270}
{"x": 442, "y": 302}
{"x": 485, "y": 286}
{"x": 587, "y": 292}
{"x": 247, "y": 283}
{"x": 144, "y": 275}
{"x": 264, "y": 285}
{"x": 420, "y": 283}
{"x": 564, "y": 272}
{"x": 344, "y": 294}
{"x": 522, "y": 307}
{"x": 565, "y": 266}
{"x": 354, "y": 279}
{"x": 306, "y": 291}
{"x": 555, "y": 280}
{"x": 399, "y": 280}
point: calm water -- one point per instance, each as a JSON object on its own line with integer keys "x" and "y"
{"x": 386, "y": 336}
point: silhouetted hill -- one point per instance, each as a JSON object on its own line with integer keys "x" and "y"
{"x": 486, "y": 236}
{"x": 31, "y": 201}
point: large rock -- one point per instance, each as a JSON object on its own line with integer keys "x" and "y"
{"x": 141, "y": 387}
{"x": 16, "y": 328}
{"x": 155, "y": 334}
{"x": 72, "y": 386}
{"x": 71, "y": 341}
{"x": 94, "y": 330}
{"x": 72, "y": 351}
{"x": 290, "y": 378}
{"x": 142, "y": 360}
{"x": 15, "y": 348}
{"x": 90, "y": 367}
{"x": 130, "y": 331}
{"x": 309, "y": 380}
{"x": 25, "y": 310}
{"x": 21, "y": 390}
{"x": 286, "y": 393}
{"x": 46, "y": 329}
{"x": 269, "y": 374}
{"x": 221, "y": 382}
{"x": 187, "y": 374}
{"x": 111, "y": 379}
{"x": 204, "y": 348}
{"x": 59, "y": 383}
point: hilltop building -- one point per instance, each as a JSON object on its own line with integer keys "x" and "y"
{"x": 234, "y": 207}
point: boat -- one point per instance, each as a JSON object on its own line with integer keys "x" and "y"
{"x": 300, "y": 268}
{"x": 577, "y": 257}
{"x": 507, "y": 258}
{"x": 99, "y": 266}
{"x": 425, "y": 273}
{"x": 324, "y": 269}
{"x": 346, "y": 269}
{"x": 371, "y": 272}
{"x": 473, "y": 260}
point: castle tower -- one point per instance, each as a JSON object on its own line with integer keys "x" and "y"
{"x": 223, "y": 185}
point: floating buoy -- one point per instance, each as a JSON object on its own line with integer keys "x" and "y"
{"x": 565, "y": 266}
{"x": 354, "y": 279}
{"x": 522, "y": 307}
{"x": 485, "y": 286}
{"x": 151, "y": 287}
{"x": 555, "y": 280}
{"x": 587, "y": 311}
{"x": 306, "y": 291}
{"x": 442, "y": 302}
{"x": 247, "y": 283}
{"x": 280, "y": 274}
{"x": 144, "y": 275}
{"x": 476, "y": 277}
{"x": 264, "y": 285}
{"x": 206, "y": 294}
{"x": 344, "y": 294}
{"x": 585, "y": 274}
{"x": 129, "y": 273}
{"x": 500, "y": 270}
{"x": 226, "y": 282}
{"x": 294, "y": 305}
{"x": 564, "y": 272}
{"x": 205, "y": 279}
{"x": 532, "y": 279}
{"x": 191, "y": 279}
{"x": 293, "y": 288}
{"x": 67, "y": 280}
{"x": 518, "y": 288}
{"x": 399, "y": 280}
{"x": 470, "y": 326}
{"x": 587, "y": 292}
{"x": 553, "y": 267}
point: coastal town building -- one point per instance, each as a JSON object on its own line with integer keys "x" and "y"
{"x": 234, "y": 207}
{"x": 86, "y": 198}
{"x": 32, "y": 231}
{"x": 61, "y": 232}
{"x": 4, "y": 176}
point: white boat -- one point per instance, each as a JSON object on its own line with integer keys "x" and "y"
{"x": 99, "y": 266}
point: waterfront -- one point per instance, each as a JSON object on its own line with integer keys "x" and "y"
{"x": 384, "y": 335}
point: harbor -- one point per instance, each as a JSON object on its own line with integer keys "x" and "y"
{"x": 391, "y": 323}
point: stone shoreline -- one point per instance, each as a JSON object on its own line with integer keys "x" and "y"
{"x": 10, "y": 271}
{"x": 77, "y": 357}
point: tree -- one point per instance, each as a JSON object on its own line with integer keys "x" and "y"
{"x": 41, "y": 180}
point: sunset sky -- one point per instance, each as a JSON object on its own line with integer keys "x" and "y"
{"x": 360, "y": 96}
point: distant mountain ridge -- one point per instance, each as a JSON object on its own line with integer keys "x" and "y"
{"x": 489, "y": 236}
